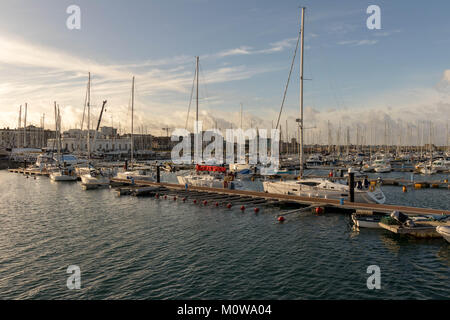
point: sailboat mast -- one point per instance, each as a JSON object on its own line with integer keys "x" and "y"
{"x": 132, "y": 120}
{"x": 196, "y": 110}
{"x": 302, "y": 29}
{"x": 18, "y": 128}
{"x": 89, "y": 117}
{"x": 25, "y": 128}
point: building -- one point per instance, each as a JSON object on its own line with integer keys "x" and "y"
{"x": 30, "y": 137}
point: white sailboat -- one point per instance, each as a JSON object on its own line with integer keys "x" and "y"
{"x": 429, "y": 169}
{"x": 63, "y": 171}
{"x": 318, "y": 187}
{"x": 206, "y": 178}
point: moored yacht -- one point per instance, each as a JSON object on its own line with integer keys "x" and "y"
{"x": 382, "y": 166}
{"x": 319, "y": 187}
{"x": 323, "y": 188}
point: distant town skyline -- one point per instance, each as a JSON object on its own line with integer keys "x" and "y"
{"x": 399, "y": 75}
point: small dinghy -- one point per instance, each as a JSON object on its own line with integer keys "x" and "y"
{"x": 366, "y": 221}
{"x": 444, "y": 231}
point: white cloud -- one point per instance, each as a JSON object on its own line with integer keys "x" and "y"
{"x": 358, "y": 42}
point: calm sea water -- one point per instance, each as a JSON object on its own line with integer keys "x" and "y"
{"x": 143, "y": 248}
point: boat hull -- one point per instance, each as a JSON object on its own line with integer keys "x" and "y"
{"x": 444, "y": 231}
{"x": 375, "y": 196}
{"x": 366, "y": 221}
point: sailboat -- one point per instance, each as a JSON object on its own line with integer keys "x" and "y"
{"x": 318, "y": 187}
{"x": 429, "y": 169}
{"x": 63, "y": 171}
{"x": 204, "y": 175}
{"x": 141, "y": 173}
{"x": 92, "y": 177}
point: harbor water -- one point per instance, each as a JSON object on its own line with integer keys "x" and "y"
{"x": 144, "y": 248}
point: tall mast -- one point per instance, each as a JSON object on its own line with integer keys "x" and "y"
{"x": 43, "y": 130}
{"x": 302, "y": 32}
{"x": 196, "y": 111}
{"x": 56, "y": 133}
{"x": 59, "y": 134}
{"x": 25, "y": 128}
{"x": 89, "y": 117}
{"x": 132, "y": 120}
{"x": 241, "y": 115}
{"x": 18, "y": 128}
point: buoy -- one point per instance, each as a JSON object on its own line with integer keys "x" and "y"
{"x": 157, "y": 196}
{"x": 165, "y": 196}
{"x": 217, "y": 204}
{"x": 256, "y": 210}
{"x": 280, "y": 219}
{"x": 229, "y": 206}
{"x": 174, "y": 198}
{"x": 319, "y": 210}
{"x": 242, "y": 208}
{"x": 404, "y": 189}
{"x": 184, "y": 199}
{"x": 195, "y": 200}
{"x": 205, "y": 203}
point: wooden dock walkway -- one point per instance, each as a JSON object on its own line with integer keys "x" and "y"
{"x": 32, "y": 172}
{"x": 308, "y": 201}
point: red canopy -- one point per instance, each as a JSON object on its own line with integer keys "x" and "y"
{"x": 210, "y": 168}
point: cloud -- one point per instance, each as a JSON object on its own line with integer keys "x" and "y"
{"x": 274, "y": 47}
{"x": 385, "y": 33}
{"x": 40, "y": 75}
{"x": 364, "y": 42}
{"x": 238, "y": 51}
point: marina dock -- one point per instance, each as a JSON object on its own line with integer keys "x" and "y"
{"x": 247, "y": 196}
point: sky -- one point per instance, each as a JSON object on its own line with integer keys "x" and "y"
{"x": 397, "y": 77}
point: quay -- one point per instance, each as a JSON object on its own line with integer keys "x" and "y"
{"x": 32, "y": 172}
{"x": 251, "y": 196}
{"x": 424, "y": 229}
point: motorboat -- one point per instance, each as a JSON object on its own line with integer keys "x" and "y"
{"x": 444, "y": 231}
{"x": 314, "y": 160}
{"x": 382, "y": 166}
{"x": 366, "y": 221}
{"x": 145, "y": 174}
{"x": 63, "y": 174}
{"x": 96, "y": 178}
{"x": 428, "y": 170}
{"x": 440, "y": 165}
{"x": 367, "y": 167}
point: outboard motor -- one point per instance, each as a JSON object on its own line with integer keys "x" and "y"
{"x": 400, "y": 217}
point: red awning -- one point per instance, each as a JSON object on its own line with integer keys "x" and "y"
{"x": 210, "y": 168}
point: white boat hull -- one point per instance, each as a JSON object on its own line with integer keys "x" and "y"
{"x": 383, "y": 169}
{"x": 366, "y": 222}
{"x": 135, "y": 176}
{"x": 90, "y": 182}
{"x": 207, "y": 181}
{"x": 62, "y": 178}
{"x": 444, "y": 231}
{"x": 375, "y": 196}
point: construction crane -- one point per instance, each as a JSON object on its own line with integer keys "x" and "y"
{"x": 166, "y": 130}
